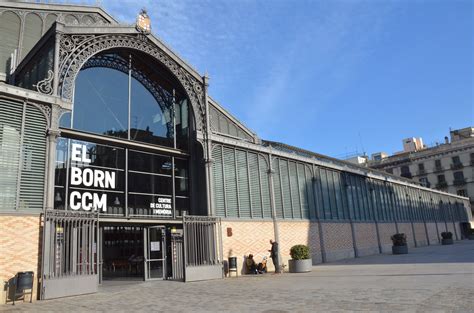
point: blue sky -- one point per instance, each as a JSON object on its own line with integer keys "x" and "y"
{"x": 335, "y": 77}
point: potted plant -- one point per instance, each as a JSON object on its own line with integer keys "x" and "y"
{"x": 301, "y": 261}
{"x": 399, "y": 244}
{"x": 447, "y": 238}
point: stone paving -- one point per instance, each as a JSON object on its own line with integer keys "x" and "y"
{"x": 429, "y": 279}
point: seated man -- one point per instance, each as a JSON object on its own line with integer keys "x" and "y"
{"x": 262, "y": 266}
{"x": 251, "y": 265}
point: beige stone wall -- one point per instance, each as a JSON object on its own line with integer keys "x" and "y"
{"x": 441, "y": 228}
{"x": 337, "y": 241}
{"x": 19, "y": 248}
{"x": 420, "y": 234}
{"x": 386, "y": 230}
{"x": 407, "y": 230}
{"x": 366, "y": 239}
{"x": 254, "y": 236}
{"x": 432, "y": 233}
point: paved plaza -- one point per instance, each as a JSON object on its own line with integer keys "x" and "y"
{"x": 429, "y": 279}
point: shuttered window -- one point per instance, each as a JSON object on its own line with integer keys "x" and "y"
{"x": 310, "y": 192}
{"x": 22, "y": 157}
{"x": 295, "y": 191}
{"x": 263, "y": 168}
{"x": 230, "y": 182}
{"x": 33, "y": 159}
{"x": 254, "y": 178}
{"x": 218, "y": 177}
{"x": 277, "y": 189}
{"x": 243, "y": 183}
{"x": 10, "y": 133}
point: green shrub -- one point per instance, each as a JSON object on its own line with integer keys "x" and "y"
{"x": 299, "y": 252}
{"x": 447, "y": 235}
{"x": 399, "y": 239}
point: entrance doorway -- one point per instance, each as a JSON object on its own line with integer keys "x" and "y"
{"x": 122, "y": 253}
{"x": 133, "y": 252}
{"x": 155, "y": 252}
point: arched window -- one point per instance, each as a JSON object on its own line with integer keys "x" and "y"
{"x": 128, "y": 95}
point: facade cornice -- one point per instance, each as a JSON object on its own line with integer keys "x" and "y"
{"x": 58, "y": 8}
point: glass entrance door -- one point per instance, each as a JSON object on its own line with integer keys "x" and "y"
{"x": 155, "y": 252}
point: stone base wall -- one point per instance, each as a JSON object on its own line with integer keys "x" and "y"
{"x": 420, "y": 234}
{"x": 432, "y": 233}
{"x": 408, "y": 231}
{"x": 366, "y": 239}
{"x": 250, "y": 237}
{"x": 458, "y": 229}
{"x": 442, "y": 228}
{"x": 451, "y": 229}
{"x": 386, "y": 230}
{"x": 20, "y": 239}
{"x": 337, "y": 238}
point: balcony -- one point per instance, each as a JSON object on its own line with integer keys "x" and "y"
{"x": 456, "y": 166}
{"x": 459, "y": 182}
{"x": 441, "y": 185}
{"x": 438, "y": 169}
{"x": 421, "y": 172}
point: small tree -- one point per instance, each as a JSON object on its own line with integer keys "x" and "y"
{"x": 299, "y": 252}
{"x": 399, "y": 239}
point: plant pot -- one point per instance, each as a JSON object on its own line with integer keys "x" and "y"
{"x": 447, "y": 241}
{"x": 300, "y": 266}
{"x": 400, "y": 249}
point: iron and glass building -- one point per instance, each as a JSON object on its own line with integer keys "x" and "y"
{"x": 117, "y": 164}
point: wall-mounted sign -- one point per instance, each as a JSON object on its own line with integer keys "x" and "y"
{"x": 88, "y": 177}
{"x": 162, "y": 206}
{"x": 154, "y": 246}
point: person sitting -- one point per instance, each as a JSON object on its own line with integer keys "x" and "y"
{"x": 251, "y": 265}
{"x": 262, "y": 266}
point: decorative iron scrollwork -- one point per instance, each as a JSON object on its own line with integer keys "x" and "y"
{"x": 75, "y": 50}
{"x": 45, "y": 86}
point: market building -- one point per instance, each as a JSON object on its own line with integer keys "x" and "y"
{"x": 117, "y": 164}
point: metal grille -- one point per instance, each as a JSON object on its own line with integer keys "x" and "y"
{"x": 70, "y": 244}
{"x": 177, "y": 257}
{"x": 203, "y": 240}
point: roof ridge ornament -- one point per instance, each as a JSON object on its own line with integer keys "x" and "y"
{"x": 143, "y": 24}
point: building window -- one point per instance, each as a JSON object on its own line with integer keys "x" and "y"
{"x": 405, "y": 171}
{"x": 424, "y": 182}
{"x": 472, "y": 158}
{"x": 389, "y": 170}
{"x": 459, "y": 178}
{"x": 421, "y": 168}
{"x": 441, "y": 182}
{"x": 462, "y": 193}
{"x": 456, "y": 163}
{"x": 438, "y": 166}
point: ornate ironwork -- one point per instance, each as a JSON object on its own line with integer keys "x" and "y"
{"x": 46, "y": 85}
{"x": 75, "y": 50}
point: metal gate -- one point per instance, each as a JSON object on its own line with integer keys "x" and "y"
{"x": 202, "y": 248}
{"x": 69, "y": 257}
{"x": 177, "y": 258}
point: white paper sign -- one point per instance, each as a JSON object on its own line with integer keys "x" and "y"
{"x": 155, "y": 246}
